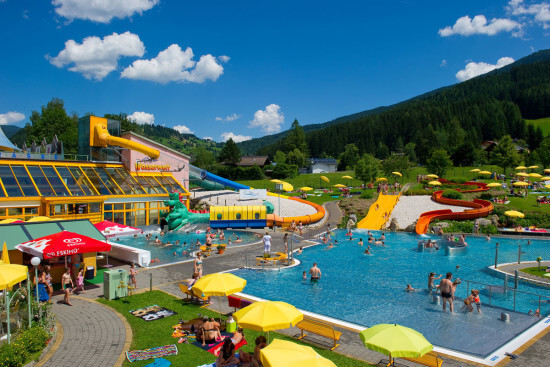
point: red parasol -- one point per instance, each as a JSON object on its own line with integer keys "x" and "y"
{"x": 111, "y": 229}
{"x": 63, "y": 244}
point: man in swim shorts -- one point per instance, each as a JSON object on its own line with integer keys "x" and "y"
{"x": 315, "y": 273}
{"x": 446, "y": 289}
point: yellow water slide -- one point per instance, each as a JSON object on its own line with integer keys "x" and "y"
{"x": 100, "y": 137}
{"x": 379, "y": 212}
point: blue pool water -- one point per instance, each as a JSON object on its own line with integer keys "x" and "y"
{"x": 173, "y": 254}
{"x": 368, "y": 290}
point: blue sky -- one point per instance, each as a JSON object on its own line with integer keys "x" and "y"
{"x": 245, "y": 69}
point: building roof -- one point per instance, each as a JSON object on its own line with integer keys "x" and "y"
{"x": 323, "y": 161}
{"x": 5, "y": 143}
{"x": 258, "y": 160}
{"x": 156, "y": 143}
{"x": 17, "y": 233}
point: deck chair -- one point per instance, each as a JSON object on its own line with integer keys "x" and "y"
{"x": 190, "y": 295}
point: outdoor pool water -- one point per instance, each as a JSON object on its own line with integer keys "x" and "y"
{"x": 182, "y": 252}
{"x": 369, "y": 290}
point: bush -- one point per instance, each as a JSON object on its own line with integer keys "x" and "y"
{"x": 283, "y": 170}
{"x": 367, "y": 194}
{"x": 452, "y": 194}
{"x": 411, "y": 192}
{"x": 486, "y": 196}
{"x": 18, "y": 352}
{"x": 13, "y": 355}
{"x": 33, "y": 339}
{"x": 459, "y": 180}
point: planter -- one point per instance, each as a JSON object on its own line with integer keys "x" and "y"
{"x": 221, "y": 251}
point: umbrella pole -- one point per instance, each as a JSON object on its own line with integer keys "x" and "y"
{"x": 29, "y": 297}
{"x": 8, "y": 313}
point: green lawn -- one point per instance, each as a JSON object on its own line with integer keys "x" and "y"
{"x": 543, "y": 123}
{"x": 535, "y": 271}
{"x": 158, "y": 333}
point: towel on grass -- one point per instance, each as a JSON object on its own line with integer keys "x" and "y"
{"x": 215, "y": 348}
{"x": 141, "y": 355}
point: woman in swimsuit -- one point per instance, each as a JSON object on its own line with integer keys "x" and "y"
{"x": 67, "y": 283}
{"x": 133, "y": 273}
{"x": 227, "y": 355}
{"x": 210, "y": 331}
{"x": 48, "y": 281}
{"x": 285, "y": 242}
{"x": 198, "y": 265}
{"x": 237, "y": 336}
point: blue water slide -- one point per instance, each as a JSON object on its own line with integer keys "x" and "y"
{"x": 205, "y": 175}
{"x": 195, "y": 177}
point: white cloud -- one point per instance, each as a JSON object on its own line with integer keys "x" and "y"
{"x": 208, "y": 138}
{"x": 466, "y": 26}
{"x": 229, "y": 118}
{"x": 11, "y": 117}
{"x": 270, "y": 120}
{"x": 541, "y": 11}
{"x": 224, "y": 58}
{"x": 474, "y": 69}
{"x": 236, "y": 138}
{"x": 95, "y": 58}
{"x": 101, "y": 11}
{"x": 443, "y": 63}
{"x": 142, "y": 118}
{"x": 182, "y": 129}
{"x": 175, "y": 65}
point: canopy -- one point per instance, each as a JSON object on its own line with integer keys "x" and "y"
{"x": 324, "y": 178}
{"x": 514, "y": 214}
{"x": 382, "y": 179}
{"x": 547, "y": 170}
{"x": 494, "y": 184}
{"x": 348, "y": 177}
{"x": 434, "y": 183}
{"x": 535, "y": 175}
{"x": 10, "y": 220}
{"x": 306, "y": 188}
{"x": 285, "y": 353}
{"x": 218, "y": 284}
{"x": 431, "y": 175}
{"x": 484, "y": 172}
{"x": 395, "y": 340}
{"x": 11, "y": 274}
{"x": 110, "y": 229}
{"x": 5, "y": 254}
{"x": 545, "y": 178}
{"x": 64, "y": 243}
{"x": 39, "y": 219}
{"x": 520, "y": 183}
{"x": 6, "y": 144}
{"x": 547, "y": 186}
{"x": 475, "y": 170}
{"x": 533, "y": 167}
{"x": 522, "y": 174}
{"x": 339, "y": 185}
{"x": 268, "y": 315}
{"x": 287, "y": 187}
{"x": 397, "y": 173}
{"x": 521, "y": 167}
{"x": 276, "y": 181}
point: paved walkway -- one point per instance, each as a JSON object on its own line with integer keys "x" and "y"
{"x": 93, "y": 335}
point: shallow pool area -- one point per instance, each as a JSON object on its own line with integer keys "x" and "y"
{"x": 187, "y": 244}
{"x": 368, "y": 290}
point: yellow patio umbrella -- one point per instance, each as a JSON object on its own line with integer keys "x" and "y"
{"x": 475, "y": 170}
{"x": 395, "y": 341}
{"x": 434, "y": 183}
{"x": 547, "y": 186}
{"x": 306, "y": 188}
{"x": 535, "y": 175}
{"x": 484, "y": 172}
{"x": 11, "y": 274}
{"x": 10, "y": 220}
{"x": 381, "y": 179}
{"x": 514, "y": 214}
{"x": 339, "y": 185}
{"x": 348, "y": 178}
{"x": 520, "y": 184}
{"x": 397, "y": 173}
{"x": 521, "y": 167}
{"x": 287, "y": 187}
{"x": 218, "y": 284}
{"x": 431, "y": 175}
{"x": 276, "y": 181}
{"x": 268, "y": 315}
{"x": 324, "y": 178}
{"x": 5, "y": 254}
{"x": 494, "y": 184}
{"x": 533, "y": 167}
{"x": 39, "y": 219}
{"x": 522, "y": 174}
{"x": 285, "y": 353}
{"x": 545, "y": 178}
{"x": 546, "y": 170}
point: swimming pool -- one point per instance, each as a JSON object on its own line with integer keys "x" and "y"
{"x": 182, "y": 252}
{"x": 368, "y": 290}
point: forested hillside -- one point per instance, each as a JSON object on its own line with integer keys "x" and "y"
{"x": 458, "y": 117}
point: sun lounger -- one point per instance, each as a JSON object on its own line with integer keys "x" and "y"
{"x": 319, "y": 328}
{"x": 234, "y": 302}
{"x": 428, "y": 359}
{"x": 189, "y": 294}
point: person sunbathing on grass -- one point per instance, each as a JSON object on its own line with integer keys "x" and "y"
{"x": 227, "y": 355}
{"x": 210, "y": 331}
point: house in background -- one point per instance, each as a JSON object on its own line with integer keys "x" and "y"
{"x": 250, "y": 161}
{"x": 322, "y": 165}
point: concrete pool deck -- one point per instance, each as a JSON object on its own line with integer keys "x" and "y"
{"x": 166, "y": 278}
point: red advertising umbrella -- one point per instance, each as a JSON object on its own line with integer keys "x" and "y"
{"x": 63, "y": 244}
{"x": 111, "y": 229}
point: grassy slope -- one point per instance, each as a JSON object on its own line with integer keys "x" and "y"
{"x": 157, "y": 333}
{"x": 535, "y": 271}
{"x": 543, "y": 123}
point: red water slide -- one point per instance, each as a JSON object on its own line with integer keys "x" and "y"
{"x": 481, "y": 208}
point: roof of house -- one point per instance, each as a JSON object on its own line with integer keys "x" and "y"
{"x": 258, "y": 160}
{"x": 323, "y": 161}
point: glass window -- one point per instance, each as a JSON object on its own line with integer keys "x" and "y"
{"x": 130, "y": 180}
{"x": 119, "y": 207}
{"x": 238, "y": 216}
{"x": 15, "y": 212}
{"x": 118, "y": 217}
{"x": 153, "y": 216}
{"x": 219, "y": 216}
{"x": 129, "y": 206}
{"x": 108, "y": 181}
{"x": 69, "y": 180}
{"x": 84, "y": 182}
{"x": 95, "y": 207}
{"x": 143, "y": 182}
{"x": 107, "y": 207}
{"x": 41, "y": 181}
{"x": 24, "y": 181}
{"x": 174, "y": 183}
{"x": 153, "y": 204}
{"x": 96, "y": 181}
{"x": 139, "y": 205}
{"x": 130, "y": 219}
{"x": 108, "y": 216}
{"x": 155, "y": 184}
{"x": 56, "y": 182}
{"x": 140, "y": 218}
{"x": 9, "y": 181}
{"x": 120, "y": 181}
{"x": 165, "y": 183}
{"x": 2, "y": 194}
{"x": 256, "y": 215}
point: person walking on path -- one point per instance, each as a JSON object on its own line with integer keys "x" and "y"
{"x": 67, "y": 284}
